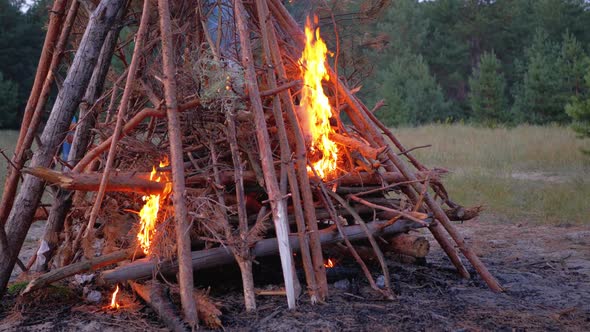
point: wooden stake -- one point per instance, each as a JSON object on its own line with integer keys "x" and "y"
{"x": 141, "y": 35}
{"x": 183, "y": 244}
{"x": 301, "y": 169}
{"x": 243, "y": 256}
{"x": 278, "y": 204}
{"x": 55, "y": 130}
{"x": 266, "y": 28}
{"x": 63, "y": 201}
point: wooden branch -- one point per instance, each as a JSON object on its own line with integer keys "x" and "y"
{"x": 77, "y": 268}
{"x": 221, "y": 256}
{"x": 135, "y": 182}
{"x": 47, "y": 63}
{"x": 364, "y": 149}
{"x": 286, "y": 155}
{"x": 277, "y": 202}
{"x": 279, "y": 89}
{"x": 129, "y": 126}
{"x": 182, "y": 227}
{"x": 121, "y": 114}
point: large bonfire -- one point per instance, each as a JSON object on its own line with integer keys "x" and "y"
{"x": 260, "y": 161}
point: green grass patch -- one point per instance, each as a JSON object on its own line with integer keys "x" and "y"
{"x": 17, "y": 287}
{"x": 528, "y": 173}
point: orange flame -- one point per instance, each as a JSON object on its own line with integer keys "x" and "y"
{"x": 330, "y": 263}
{"x": 149, "y": 212}
{"x": 316, "y": 103}
{"x": 114, "y": 304}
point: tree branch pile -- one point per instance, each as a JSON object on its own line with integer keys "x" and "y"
{"x": 202, "y": 106}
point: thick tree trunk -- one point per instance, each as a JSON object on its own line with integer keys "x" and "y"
{"x": 55, "y": 130}
{"x": 63, "y": 200}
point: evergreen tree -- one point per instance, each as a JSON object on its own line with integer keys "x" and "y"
{"x": 487, "y": 91}
{"x": 541, "y": 96}
{"x": 574, "y": 64}
{"x": 579, "y": 110}
{"x": 411, "y": 93}
{"x": 8, "y": 103}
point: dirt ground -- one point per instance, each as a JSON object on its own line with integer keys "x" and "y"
{"x": 545, "y": 270}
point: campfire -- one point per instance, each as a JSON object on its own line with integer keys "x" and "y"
{"x": 260, "y": 161}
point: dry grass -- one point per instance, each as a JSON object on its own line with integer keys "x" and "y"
{"x": 527, "y": 173}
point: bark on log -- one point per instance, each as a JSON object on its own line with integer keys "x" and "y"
{"x": 155, "y": 295}
{"x": 203, "y": 259}
{"x": 408, "y": 244}
{"x": 67, "y": 100}
{"x": 137, "y": 182}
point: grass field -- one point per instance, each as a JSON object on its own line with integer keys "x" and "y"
{"x": 528, "y": 173}
{"x": 532, "y": 174}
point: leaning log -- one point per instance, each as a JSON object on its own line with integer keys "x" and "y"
{"x": 203, "y": 259}
{"x": 77, "y": 268}
{"x": 55, "y": 130}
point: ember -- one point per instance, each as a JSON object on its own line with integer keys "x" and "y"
{"x": 316, "y": 104}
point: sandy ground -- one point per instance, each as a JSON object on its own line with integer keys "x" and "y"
{"x": 545, "y": 270}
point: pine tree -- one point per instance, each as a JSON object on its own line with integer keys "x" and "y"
{"x": 579, "y": 110}
{"x": 487, "y": 91}
{"x": 411, "y": 93}
{"x": 541, "y": 96}
{"x": 574, "y": 64}
{"x": 8, "y": 103}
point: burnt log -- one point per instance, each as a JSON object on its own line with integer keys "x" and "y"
{"x": 144, "y": 268}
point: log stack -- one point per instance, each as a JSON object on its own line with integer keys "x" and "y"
{"x": 206, "y": 113}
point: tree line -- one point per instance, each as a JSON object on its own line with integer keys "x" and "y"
{"x": 487, "y": 62}
{"x": 490, "y": 62}
{"x": 21, "y": 40}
